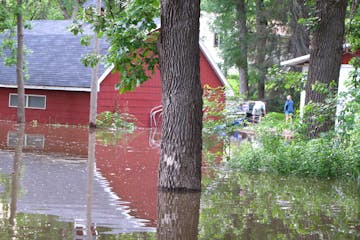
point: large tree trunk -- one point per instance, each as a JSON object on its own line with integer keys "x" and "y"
{"x": 20, "y": 67}
{"x": 242, "y": 63}
{"x": 178, "y": 215}
{"x": 261, "y": 35}
{"x": 180, "y": 161}
{"x": 325, "y": 56}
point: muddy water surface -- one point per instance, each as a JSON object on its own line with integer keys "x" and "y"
{"x": 67, "y": 183}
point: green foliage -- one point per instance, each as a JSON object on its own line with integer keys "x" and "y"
{"x": 323, "y": 157}
{"x": 213, "y": 108}
{"x": 233, "y": 81}
{"x": 279, "y": 79}
{"x": 129, "y": 29}
{"x": 349, "y": 117}
{"x": 115, "y": 120}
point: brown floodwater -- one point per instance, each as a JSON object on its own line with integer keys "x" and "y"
{"x": 64, "y": 182}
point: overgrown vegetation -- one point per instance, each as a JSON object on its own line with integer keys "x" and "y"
{"x": 115, "y": 120}
{"x": 332, "y": 154}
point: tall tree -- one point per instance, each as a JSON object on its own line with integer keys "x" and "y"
{"x": 20, "y": 64}
{"x": 230, "y": 24}
{"x": 181, "y": 146}
{"x": 129, "y": 29}
{"x": 300, "y": 37}
{"x": 242, "y": 62}
{"x": 94, "y": 76}
{"x": 325, "y": 56}
{"x": 260, "y": 55}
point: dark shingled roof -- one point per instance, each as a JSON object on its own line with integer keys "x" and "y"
{"x": 55, "y": 56}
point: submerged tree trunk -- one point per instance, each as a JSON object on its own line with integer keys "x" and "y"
{"x": 242, "y": 63}
{"x": 261, "y": 34}
{"x": 325, "y": 56}
{"x": 20, "y": 66}
{"x": 180, "y": 161}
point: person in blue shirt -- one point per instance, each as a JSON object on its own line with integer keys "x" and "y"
{"x": 288, "y": 109}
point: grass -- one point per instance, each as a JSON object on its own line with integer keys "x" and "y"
{"x": 324, "y": 157}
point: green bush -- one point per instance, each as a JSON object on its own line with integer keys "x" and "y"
{"x": 324, "y": 157}
{"x": 115, "y": 120}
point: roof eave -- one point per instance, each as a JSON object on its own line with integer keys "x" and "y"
{"x": 219, "y": 74}
{"x": 56, "y": 88}
{"x": 296, "y": 61}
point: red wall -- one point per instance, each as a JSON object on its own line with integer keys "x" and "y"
{"x": 143, "y": 99}
{"x": 348, "y": 56}
{"x": 62, "y": 107}
{"x": 65, "y": 107}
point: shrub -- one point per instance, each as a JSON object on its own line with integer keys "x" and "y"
{"x": 115, "y": 120}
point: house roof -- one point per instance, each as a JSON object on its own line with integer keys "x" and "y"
{"x": 54, "y": 60}
{"x": 296, "y": 61}
{"x": 216, "y": 69}
{"x": 305, "y": 59}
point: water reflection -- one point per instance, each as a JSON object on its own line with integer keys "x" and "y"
{"x": 56, "y": 195}
{"x": 178, "y": 215}
{"x": 107, "y": 189}
{"x": 244, "y": 206}
{"x": 16, "y": 173}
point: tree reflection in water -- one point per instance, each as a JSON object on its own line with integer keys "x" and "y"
{"x": 178, "y": 215}
{"x": 16, "y": 172}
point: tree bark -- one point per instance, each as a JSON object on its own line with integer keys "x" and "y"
{"x": 63, "y": 9}
{"x": 261, "y": 34}
{"x": 178, "y": 215}
{"x": 300, "y": 37}
{"x": 180, "y": 161}
{"x": 325, "y": 56}
{"x": 94, "y": 77}
{"x": 242, "y": 62}
{"x": 20, "y": 66}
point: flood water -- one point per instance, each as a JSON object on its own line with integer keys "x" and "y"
{"x": 67, "y": 183}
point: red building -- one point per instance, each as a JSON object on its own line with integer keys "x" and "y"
{"x": 58, "y": 88}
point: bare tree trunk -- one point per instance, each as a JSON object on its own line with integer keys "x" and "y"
{"x": 325, "y": 56}
{"x": 180, "y": 161}
{"x": 64, "y": 11}
{"x": 242, "y": 62}
{"x": 261, "y": 34}
{"x": 20, "y": 66}
{"x": 94, "y": 77}
{"x": 178, "y": 215}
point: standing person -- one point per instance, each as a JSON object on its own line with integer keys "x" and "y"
{"x": 258, "y": 110}
{"x": 288, "y": 109}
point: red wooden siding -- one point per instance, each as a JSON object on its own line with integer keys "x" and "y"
{"x": 140, "y": 102}
{"x": 62, "y": 107}
{"x": 348, "y": 56}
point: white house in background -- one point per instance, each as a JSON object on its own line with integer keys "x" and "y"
{"x": 345, "y": 70}
{"x": 208, "y": 38}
